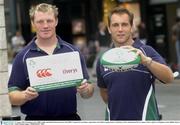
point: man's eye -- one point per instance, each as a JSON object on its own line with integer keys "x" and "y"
{"x": 125, "y": 24}
{"x": 115, "y": 25}
{"x": 44, "y": 21}
{"x": 49, "y": 21}
{"x": 40, "y": 21}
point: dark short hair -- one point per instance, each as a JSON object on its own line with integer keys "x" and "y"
{"x": 121, "y": 10}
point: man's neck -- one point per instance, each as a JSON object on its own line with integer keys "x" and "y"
{"x": 128, "y": 43}
{"x": 47, "y": 45}
{"x": 46, "y": 42}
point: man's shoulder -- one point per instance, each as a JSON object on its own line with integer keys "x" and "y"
{"x": 25, "y": 49}
{"x": 69, "y": 45}
{"x": 144, "y": 47}
{"x": 138, "y": 43}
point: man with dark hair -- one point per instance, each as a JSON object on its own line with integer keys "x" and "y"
{"x": 130, "y": 95}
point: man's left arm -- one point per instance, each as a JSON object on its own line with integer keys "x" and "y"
{"x": 161, "y": 71}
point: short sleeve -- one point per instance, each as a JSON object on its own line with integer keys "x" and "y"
{"x": 18, "y": 78}
{"x": 100, "y": 80}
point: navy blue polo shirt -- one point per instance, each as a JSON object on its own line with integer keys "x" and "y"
{"x": 59, "y": 102}
{"x": 131, "y": 94}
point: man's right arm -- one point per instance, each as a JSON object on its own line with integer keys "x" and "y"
{"x": 18, "y": 98}
{"x": 104, "y": 94}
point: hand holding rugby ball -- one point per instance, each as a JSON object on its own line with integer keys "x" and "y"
{"x": 120, "y": 59}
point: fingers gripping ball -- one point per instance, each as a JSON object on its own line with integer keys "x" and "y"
{"x": 120, "y": 59}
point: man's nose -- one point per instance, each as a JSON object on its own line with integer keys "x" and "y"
{"x": 120, "y": 27}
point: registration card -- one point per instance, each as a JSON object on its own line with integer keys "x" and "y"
{"x": 55, "y": 71}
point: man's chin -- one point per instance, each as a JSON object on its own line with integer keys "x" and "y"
{"x": 46, "y": 36}
{"x": 121, "y": 41}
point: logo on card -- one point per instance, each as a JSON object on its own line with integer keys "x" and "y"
{"x": 42, "y": 73}
{"x": 32, "y": 63}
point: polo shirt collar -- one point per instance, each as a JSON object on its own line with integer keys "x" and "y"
{"x": 35, "y": 47}
{"x": 137, "y": 43}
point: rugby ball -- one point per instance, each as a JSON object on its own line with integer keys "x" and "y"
{"x": 120, "y": 59}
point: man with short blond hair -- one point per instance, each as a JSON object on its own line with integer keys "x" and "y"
{"x": 58, "y": 104}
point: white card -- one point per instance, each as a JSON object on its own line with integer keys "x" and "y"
{"x": 55, "y": 71}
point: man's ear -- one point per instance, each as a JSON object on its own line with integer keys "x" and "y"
{"x": 33, "y": 27}
{"x": 132, "y": 30}
{"x": 57, "y": 21}
{"x": 109, "y": 30}
{"x": 32, "y": 23}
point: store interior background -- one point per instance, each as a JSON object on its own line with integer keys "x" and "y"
{"x": 78, "y": 20}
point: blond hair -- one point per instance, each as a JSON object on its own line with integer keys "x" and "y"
{"x": 43, "y": 7}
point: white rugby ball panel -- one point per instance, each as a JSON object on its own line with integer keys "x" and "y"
{"x": 119, "y": 59}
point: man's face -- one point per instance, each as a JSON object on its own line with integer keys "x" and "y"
{"x": 45, "y": 24}
{"x": 120, "y": 29}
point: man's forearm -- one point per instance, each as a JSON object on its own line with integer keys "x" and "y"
{"x": 17, "y": 98}
{"x": 161, "y": 71}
